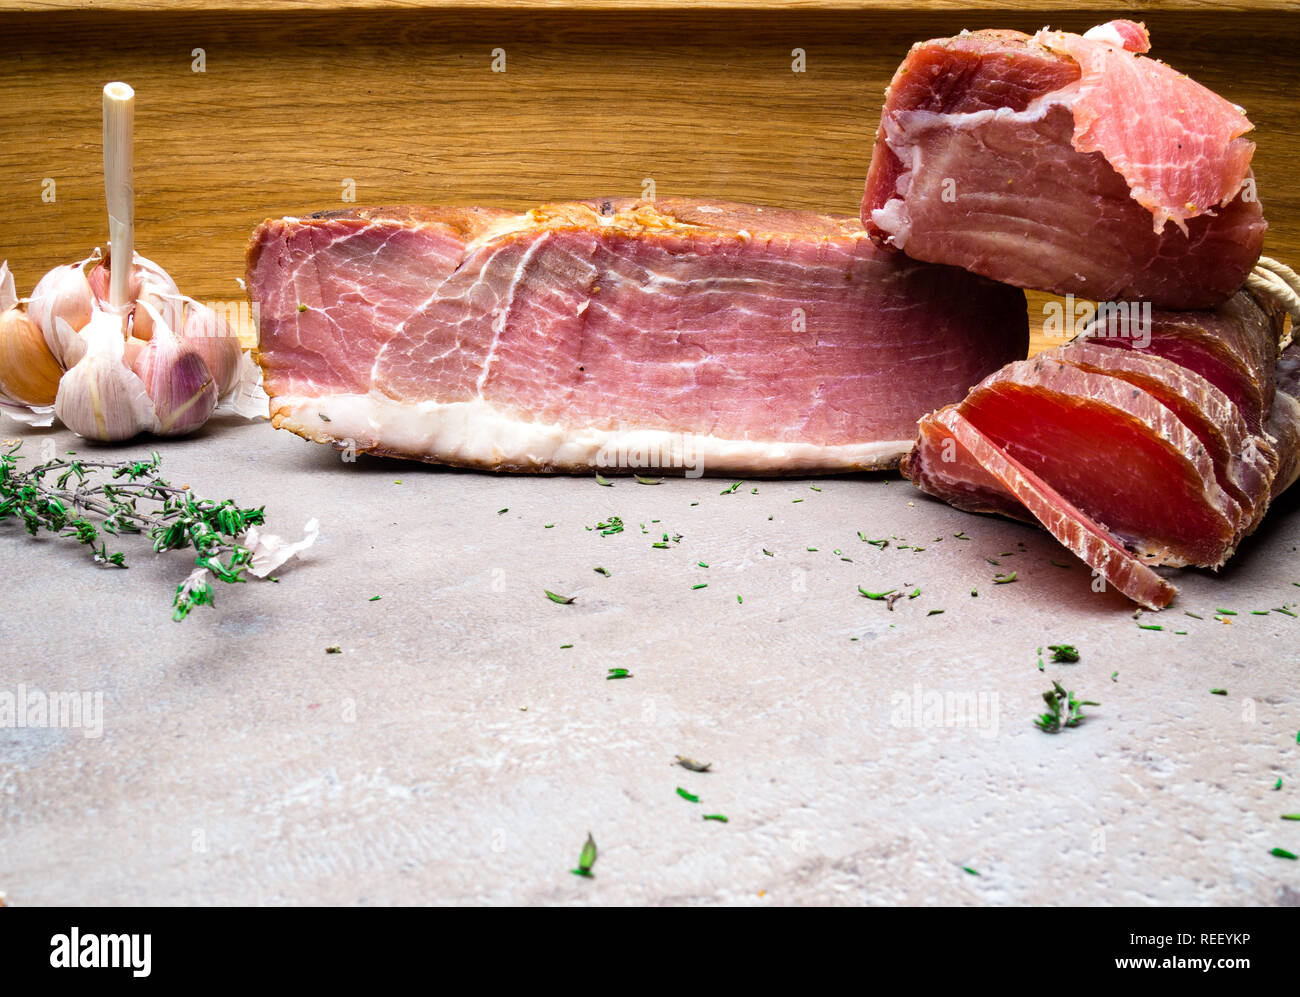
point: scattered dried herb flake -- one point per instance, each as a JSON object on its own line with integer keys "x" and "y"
{"x": 586, "y": 858}
{"x": 692, "y": 765}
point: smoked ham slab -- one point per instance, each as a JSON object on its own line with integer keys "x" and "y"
{"x": 616, "y": 335}
{"x": 1066, "y": 163}
{"x": 1132, "y": 457}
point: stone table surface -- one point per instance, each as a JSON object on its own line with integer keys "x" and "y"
{"x": 457, "y": 751}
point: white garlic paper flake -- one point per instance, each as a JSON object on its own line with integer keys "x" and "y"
{"x": 270, "y": 551}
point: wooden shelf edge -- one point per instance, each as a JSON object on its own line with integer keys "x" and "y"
{"x": 1139, "y": 7}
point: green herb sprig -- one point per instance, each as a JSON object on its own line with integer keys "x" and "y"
{"x": 89, "y": 501}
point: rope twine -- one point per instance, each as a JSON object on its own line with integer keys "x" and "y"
{"x": 1281, "y": 284}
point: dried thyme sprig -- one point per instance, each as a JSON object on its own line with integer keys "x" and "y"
{"x": 89, "y": 500}
{"x": 1063, "y": 710}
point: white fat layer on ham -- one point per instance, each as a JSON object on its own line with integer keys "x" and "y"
{"x": 1107, "y": 32}
{"x": 477, "y": 432}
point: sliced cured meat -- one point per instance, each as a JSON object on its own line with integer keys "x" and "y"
{"x": 940, "y": 466}
{"x": 616, "y": 334}
{"x": 1064, "y": 163}
{"x": 1114, "y": 451}
{"x": 1244, "y": 464}
{"x": 1136, "y": 447}
{"x": 1072, "y": 527}
{"x": 1234, "y": 347}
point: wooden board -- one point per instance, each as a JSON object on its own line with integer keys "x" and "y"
{"x": 404, "y": 103}
{"x": 1139, "y": 6}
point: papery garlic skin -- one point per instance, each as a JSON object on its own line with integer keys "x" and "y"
{"x": 248, "y": 398}
{"x": 28, "y": 416}
{"x": 270, "y": 551}
{"x": 8, "y": 289}
{"x": 210, "y": 334}
{"x": 63, "y": 294}
{"x": 100, "y": 398}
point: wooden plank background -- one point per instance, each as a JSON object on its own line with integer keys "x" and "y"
{"x": 1138, "y": 6}
{"x": 403, "y": 101}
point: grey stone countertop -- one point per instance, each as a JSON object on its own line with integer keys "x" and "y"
{"x": 457, "y": 752}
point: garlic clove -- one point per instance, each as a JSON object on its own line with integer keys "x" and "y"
{"x": 183, "y": 390}
{"x": 63, "y": 293}
{"x": 74, "y": 344}
{"x": 99, "y": 397}
{"x": 131, "y": 350}
{"x": 29, "y": 372}
{"x": 100, "y": 279}
{"x": 145, "y": 275}
{"x": 209, "y": 333}
{"x": 164, "y": 300}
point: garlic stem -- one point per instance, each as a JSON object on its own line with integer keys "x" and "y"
{"x": 119, "y": 187}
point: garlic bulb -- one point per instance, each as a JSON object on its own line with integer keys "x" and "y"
{"x": 147, "y": 277}
{"x": 177, "y": 379}
{"x": 63, "y": 293}
{"x": 100, "y": 398}
{"x": 210, "y": 334}
{"x": 29, "y": 373}
{"x": 160, "y": 363}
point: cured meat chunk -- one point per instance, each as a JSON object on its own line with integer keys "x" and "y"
{"x": 1284, "y": 426}
{"x": 616, "y": 334}
{"x": 1066, "y": 163}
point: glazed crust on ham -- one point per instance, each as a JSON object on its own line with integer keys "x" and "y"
{"x": 617, "y": 335}
{"x": 1135, "y": 446}
{"x": 1066, "y": 163}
